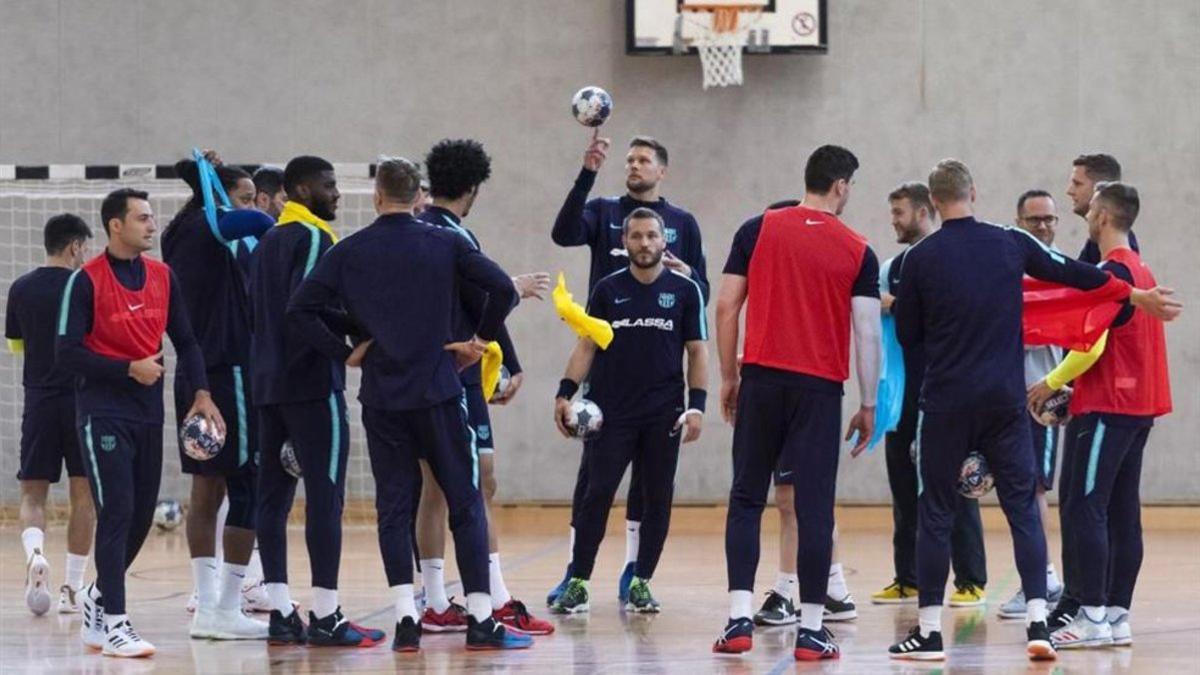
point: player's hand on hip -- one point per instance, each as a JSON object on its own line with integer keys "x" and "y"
{"x": 691, "y": 422}
{"x": 355, "y": 360}
{"x": 597, "y": 152}
{"x": 532, "y": 285}
{"x": 147, "y": 371}
{"x": 863, "y": 423}
{"x": 1037, "y": 395}
{"x": 514, "y": 383}
{"x": 468, "y": 352}
{"x": 729, "y": 397}
{"x": 562, "y": 416}
{"x": 675, "y": 264}
{"x": 204, "y": 405}
{"x": 1156, "y": 302}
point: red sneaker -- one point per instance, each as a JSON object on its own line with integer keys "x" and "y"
{"x": 514, "y": 615}
{"x": 453, "y": 620}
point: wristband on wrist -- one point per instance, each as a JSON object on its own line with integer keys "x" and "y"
{"x": 567, "y": 388}
{"x": 697, "y": 399}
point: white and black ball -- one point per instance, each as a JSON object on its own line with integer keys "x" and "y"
{"x": 287, "y": 457}
{"x": 585, "y": 419}
{"x": 975, "y": 477}
{"x": 168, "y": 514}
{"x": 199, "y": 439}
{"x": 591, "y": 106}
{"x": 1054, "y": 411}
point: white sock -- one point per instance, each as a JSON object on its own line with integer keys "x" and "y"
{"x": 1051, "y": 577}
{"x": 232, "y": 577}
{"x": 571, "y": 548}
{"x": 930, "y": 619}
{"x": 633, "y": 531}
{"x": 204, "y": 573}
{"x": 1094, "y": 613}
{"x": 479, "y": 606}
{"x": 33, "y": 539}
{"x": 325, "y": 601}
{"x": 811, "y": 614}
{"x": 111, "y": 621}
{"x": 1035, "y": 610}
{"x": 222, "y": 513}
{"x": 741, "y": 604}
{"x": 281, "y": 600}
{"x": 434, "y": 581}
{"x": 76, "y": 566}
{"x": 1115, "y": 613}
{"x": 786, "y": 584}
{"x": 254, "y": 570}
{"x": 500, "y": 594}
{"x": 405, "y": 604}
{"x": 837, "y": 583}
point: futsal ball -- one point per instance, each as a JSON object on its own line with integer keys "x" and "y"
{"x": 503, "y": 384}
{"x": 168, "y": 514}
{"x": 585, "y": 419}
{"x": 200, "y": 442}
{"x": 1054, "y": 410}
{"x": 975, "y": 478}
{"x": 287, "y": 457}
{"x": 591, "y": 106}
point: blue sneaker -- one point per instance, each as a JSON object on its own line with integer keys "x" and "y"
{"x": 492, "y": 635}
{"x": 626, "y": 579}
{"x": 335, "y": 631}
{"x": 552, "y": 596}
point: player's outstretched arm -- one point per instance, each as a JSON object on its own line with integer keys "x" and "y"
{"x": 730, "y": 299}
{"x": 576, "y": 223}
{"x": 474, "y": 267}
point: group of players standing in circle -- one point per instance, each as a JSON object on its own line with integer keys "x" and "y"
{"x": 265, "y": 314}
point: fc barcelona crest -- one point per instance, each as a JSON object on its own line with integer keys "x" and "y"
{"x": 671, "y": 235}
{"x": 484, "y": 432}
{"x": 108, "y": 443}
{"x": 666, "y": 300}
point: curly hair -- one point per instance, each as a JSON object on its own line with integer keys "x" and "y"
{"x": 455, "y": 167}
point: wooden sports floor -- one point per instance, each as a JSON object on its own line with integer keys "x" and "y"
{"x": 690, "y": 583}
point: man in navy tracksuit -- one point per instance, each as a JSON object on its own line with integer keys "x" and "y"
{"x": 597, "y": 223}
{"x": 960, "y": 294}
{"x": 115, "y": 311}
{"x": 638, "y": 382}
{"x": 298, "y": 391}
{"x": 400, "y": 279}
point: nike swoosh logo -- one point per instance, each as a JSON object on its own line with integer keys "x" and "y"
{"x": 614, "y": 227}
{"x": 619, "y": 253}
{"x": 784, "y": 474}
{"x": 812, "y": 222}
{"x": 134, "y": 308}
{"x": 621, "y": 301}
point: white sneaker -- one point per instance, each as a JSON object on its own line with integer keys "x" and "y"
{"x": 1082, "y": 632}
{"x": 226, "y": 624}
{"x": 1122, "y": 634}
{"x": 67, "y": 602}
{"x": 91, "y": 631}
{"x": 121, "y": 640}
{"x": 37, "y": 584}
{"x": 194, "y": 601}
{"x": 255, "y": 598}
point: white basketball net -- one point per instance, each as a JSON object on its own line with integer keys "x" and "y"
{"x": 720, "y": 46}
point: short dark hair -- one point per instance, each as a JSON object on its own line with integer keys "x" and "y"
{"x": 455, "y": 167}
{"x": 1031, "y": 194}
{"x": 230, "y": 175}
{"x": 1099, "y": 166}
{"x": 268, "y": 179}
{"x": 916, "y": 193}
{"x": 301, "y": 169}
{"x": 660, "y": 150}
{"x": 62, "y": 230}
{"x": 827, "y": 165}
{"x": 1122, "y": 201}
{"x": 642, "y": 213}
{"x": 398, "y": 178}
{"x": 116, "y": 204}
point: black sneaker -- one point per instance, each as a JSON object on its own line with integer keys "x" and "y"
{"x": 408, "y": 636}
{"x": 336, "y": 631}
{"x": 492, "y": 635}
{"x": 1063, "y": 614}
{"x": 776, "y": 611}
{"x": 1039, "y": 646}
{"x": 287, "y": 630}
{"x": 918, "y": 648}
{"x": 737, "y": 638}
{"x": 815, "y": 645}
{"x": 840, "y": 610}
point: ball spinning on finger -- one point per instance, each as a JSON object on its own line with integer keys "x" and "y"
{"x": 591, "y": 106}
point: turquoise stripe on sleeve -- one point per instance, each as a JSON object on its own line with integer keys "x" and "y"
{"x": 239, "y": 391}
{"x": 65, "y": 305}
{"x": 87, "y": 434}
{"x": 474, "y": 441}
{"x": 335, "y": 449}
{"x": 1047, "y": 449}
{"x": 314, "y": 248}
{"x": 700, "y": 299}
{"x": 920, "y": 423}
{"x": 1094, "y": 458}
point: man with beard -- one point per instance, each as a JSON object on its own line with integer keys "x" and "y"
{"x": 298, "y": 391}
{"x": 913, "y": 220}
{"x": 598, "y": 224}
{"x": 638, "y": 382}
{"x": 1086, "y": 171}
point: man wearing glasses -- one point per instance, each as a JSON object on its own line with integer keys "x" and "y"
{"x": 1037, "y": 215}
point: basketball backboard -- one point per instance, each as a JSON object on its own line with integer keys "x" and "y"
{"x": 783, "y": 26}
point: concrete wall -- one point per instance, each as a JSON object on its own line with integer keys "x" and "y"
{"x": 1016, "y": 89}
